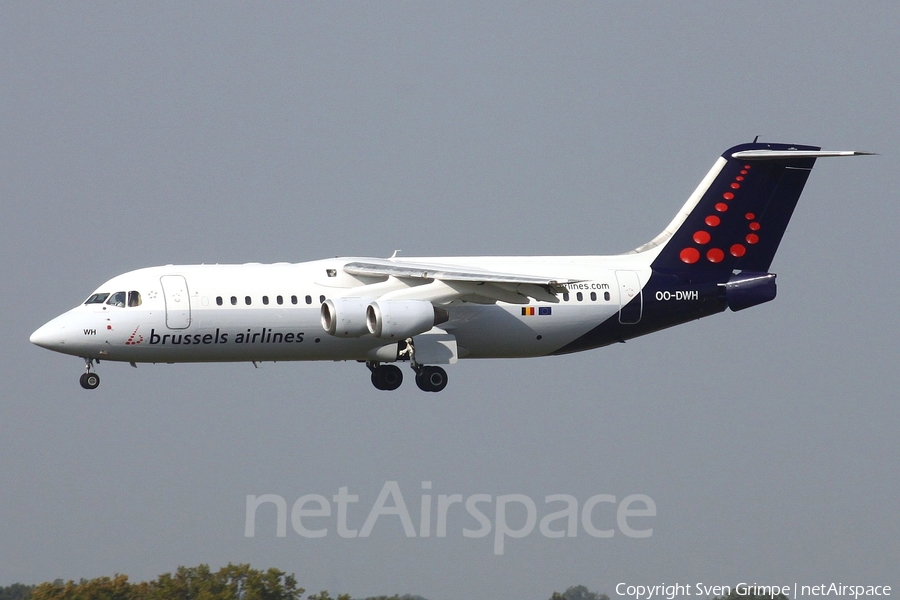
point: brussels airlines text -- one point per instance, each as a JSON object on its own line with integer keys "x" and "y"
{"x": 264, "y": 335}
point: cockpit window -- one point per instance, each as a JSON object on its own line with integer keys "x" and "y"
{"x": 134, "y": 298}
{"x": 97, "y": 299}
{"x": 117, "y": 299}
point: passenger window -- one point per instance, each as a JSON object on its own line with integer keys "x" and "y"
{"x": 593, "y": 296}
{"x": 117, "y": 299}
{"x": 565, "y": 296}
{"x": 293, "y": 299}
{"x": 606, "y": 296}
{"x": 309, "y": 299}
{"x": 321, "y": 299}
{"x": 579, "y": 296}
{"x": 234, "y": 300}
{"x": 279, "y": 299}
{"x": 247, "y": 300}
{"x": 266, "y": 300}
{"x": 134, "y": 298}
{"x": 219, "y": 300}
{"x": 97, "y": 299}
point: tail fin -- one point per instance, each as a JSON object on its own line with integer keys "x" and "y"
{"x": 736, "y": 218}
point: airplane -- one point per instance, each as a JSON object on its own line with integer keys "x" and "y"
{"x": 715, "y": 254}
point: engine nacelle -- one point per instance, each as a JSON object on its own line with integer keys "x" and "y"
{"x": 400, "y": 319}
{"x": 345, "y": 317}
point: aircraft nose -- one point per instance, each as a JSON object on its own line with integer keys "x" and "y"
{"x": 50, "y": 335}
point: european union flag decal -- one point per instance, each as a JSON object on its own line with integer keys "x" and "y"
{"x": 544, "y": 310}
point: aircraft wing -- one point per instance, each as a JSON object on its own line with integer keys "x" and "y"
{"x": 467, "y": 283}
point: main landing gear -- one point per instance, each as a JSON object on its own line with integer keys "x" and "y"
{"x": 89, "y": 380}
{"x": 385, "y": 377}
{"x": 389, "y": 377}
{"x": 431, "y": 379}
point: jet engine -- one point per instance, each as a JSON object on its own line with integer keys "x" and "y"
{"x": 345, "y": 317}
{"x": 400, "y": 319}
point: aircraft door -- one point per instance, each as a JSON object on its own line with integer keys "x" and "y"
{"x": 178, "y": 302}
{"x": 630, "y": 298}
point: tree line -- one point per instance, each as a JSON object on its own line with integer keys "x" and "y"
{"x": 232, "y": 582}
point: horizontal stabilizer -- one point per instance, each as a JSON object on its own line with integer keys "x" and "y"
{"x": 776, "y": 154}
{"x": 749, "y": 289}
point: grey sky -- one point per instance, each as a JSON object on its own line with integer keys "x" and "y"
{"x": 137, "y": 135}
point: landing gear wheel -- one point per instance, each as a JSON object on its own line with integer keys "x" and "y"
{"x": 387, "y": 377}
{"x": 431, "y": 379}
{"x": 89, "y": 381}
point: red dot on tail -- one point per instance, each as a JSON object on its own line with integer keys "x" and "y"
{"x": 715, "y": 255}
{"x": 752, "y": 238}
{"x": 744, "y": 172}
{"x": 750, "y": 216}
{"x": 738, "y": 250}
{"x": 721, "y": 207}
{"x": 747, "y": 167}
{"x": 701, "y": 237}
{"x": 739, "y": 178}
{"x": 728, "y": 196}
{"x": 754, "y": 226}
{"x": 735, "y": 186}
{"x": 712, "y": 220}
{"x": 689, "y": 255}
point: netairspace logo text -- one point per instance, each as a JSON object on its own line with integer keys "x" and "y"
{"x": 315, "y": 516}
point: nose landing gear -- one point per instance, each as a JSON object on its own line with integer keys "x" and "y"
{"x": 89, "y": 380}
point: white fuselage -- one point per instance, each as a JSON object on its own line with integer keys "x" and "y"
{"x": 271, "y": 312}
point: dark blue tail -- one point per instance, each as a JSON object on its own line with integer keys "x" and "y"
{"x": 717, "y": 251}
{"x": 743, "y": 209}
